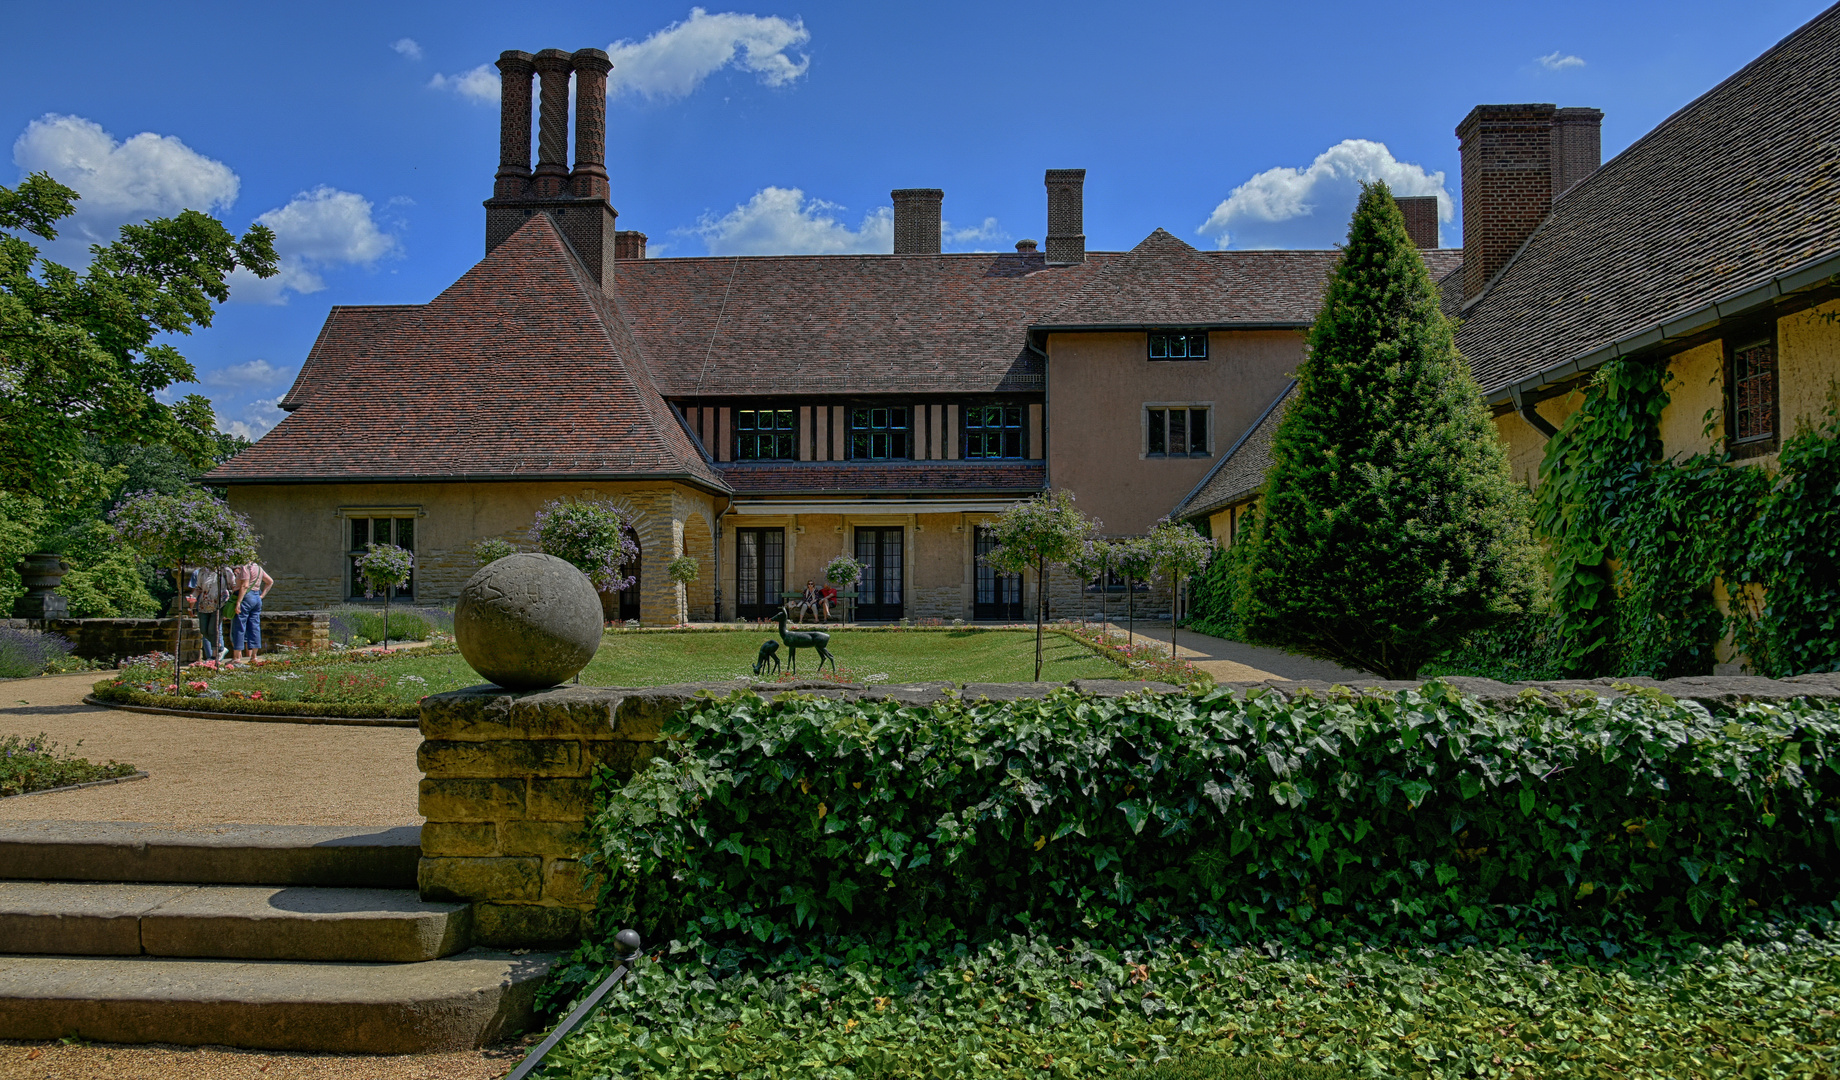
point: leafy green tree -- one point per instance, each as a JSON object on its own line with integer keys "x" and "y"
{"x": 1135, "y": 561}
{"x": 1032, "y": 534}
{"x": 1178, "y": 550}
{"x": 80, "y": 357}
{"x": 190, "y": 529}
{"x": 383, "y": 567}
{"x": 1392, "y": 526}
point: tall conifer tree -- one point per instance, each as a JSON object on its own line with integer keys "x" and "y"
{"x": 1392, "y": 526}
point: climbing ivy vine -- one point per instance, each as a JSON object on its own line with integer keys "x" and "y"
{"x": 1637, "y": 543}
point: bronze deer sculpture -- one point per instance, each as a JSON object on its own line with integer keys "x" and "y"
{"x": 804, "y": 639}
{"x": 769, "y": 653}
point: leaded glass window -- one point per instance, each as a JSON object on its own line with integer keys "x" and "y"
{"x": 993, "y": 431}
{"x": 1188, "y": 345}
{"x": 1753, "y": 391}
{"x": 765, "y": 435}
{"x": 880, "y": 432}
{"x": 1176, "y": 432}
{"x": 379, "y": 530}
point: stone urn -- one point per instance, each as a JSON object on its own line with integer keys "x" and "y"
{"x": 40, "y": 572}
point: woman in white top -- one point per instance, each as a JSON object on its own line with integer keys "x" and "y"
{"x": 251, "y": 583}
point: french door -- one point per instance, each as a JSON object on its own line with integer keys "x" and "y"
{"x": 999, "y": 596}
{"x": 878, "y": 594}
{"x": 760, "y": 572}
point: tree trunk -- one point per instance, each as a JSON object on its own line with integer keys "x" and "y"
{"x": 387, "y": 590}
{"x": 1130, "y": 611}
{"x": 179, "y": 629}
{"x": 1175, "y": 604}
{"x": 1041, "y": 602}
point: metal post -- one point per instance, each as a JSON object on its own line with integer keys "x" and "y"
{"x": 626, "y": 946}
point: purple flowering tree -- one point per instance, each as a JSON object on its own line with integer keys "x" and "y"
{"x": 383, "y": 567}
{"x": 591, "y": 536}
{"x": 192, "y": 528}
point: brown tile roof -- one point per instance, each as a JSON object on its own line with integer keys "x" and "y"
{"x": 1165, "y": 282}
{"x": 907, "y": 477}
{"x": 1740, "y": 184}
{"x": 843, "y": 324}
{"x": 519, "y": 369}
{"x": 1241, "y": 471}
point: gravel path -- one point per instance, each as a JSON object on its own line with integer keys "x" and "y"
{"x": 1234, "y": 661}
{"x": 103, "y": 1061}
{"x": 210, "y": 772}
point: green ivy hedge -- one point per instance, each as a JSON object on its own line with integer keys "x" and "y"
{"x": 1414, "y": 817}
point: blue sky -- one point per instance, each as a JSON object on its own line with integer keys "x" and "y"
{"x": 364, "y": 134}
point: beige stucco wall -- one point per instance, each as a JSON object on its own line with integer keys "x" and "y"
{"x": 304, "y": 532}
{"x": 1526, "y": 446}
{"x": 1098, "y": 387}
{"x": 1696, "y": 396}
{"x": 1808, "y": 360}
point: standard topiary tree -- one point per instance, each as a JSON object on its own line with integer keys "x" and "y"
{"x": 191, "y": 529}
{"x": 1177, "y": 550}
{"x": 684, "y": 570}
{"x": 1391, "y": 526}
{"x": 1135, "y": 561}
{"x": 383, "y": 567}
{"x": 1032, "y": 534}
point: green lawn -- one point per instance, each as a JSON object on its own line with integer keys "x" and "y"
{"x": 654, "y": 659}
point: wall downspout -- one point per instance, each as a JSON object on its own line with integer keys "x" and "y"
{"x": 1531, "y": 414}
{"x": 717, "y": 594}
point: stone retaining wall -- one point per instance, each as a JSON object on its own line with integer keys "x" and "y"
{"x": 112, "y": 639}
{"x": 506, "y": 789}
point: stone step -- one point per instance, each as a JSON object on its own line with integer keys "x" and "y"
{"x": 353, "y": 857}
{"x": 457, "y": 1003}
{"x": 247, "y": 922}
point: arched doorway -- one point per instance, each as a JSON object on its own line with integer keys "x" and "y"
{"x": 624, "y": 605}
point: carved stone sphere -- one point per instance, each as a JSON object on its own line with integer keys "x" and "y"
{"x": 528, "y": 621}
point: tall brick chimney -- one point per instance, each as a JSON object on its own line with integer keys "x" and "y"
{"x": 1578, "y": 147}
{"x": 916, "y": 220}
{"x": 576, "y": 200}
{"x": 1421, "y": 214}
{"x": 1066, "y": 215}
{"x": 1517, "y": 161}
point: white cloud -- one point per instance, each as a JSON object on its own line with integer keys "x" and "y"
{"x": 675, "y": 61}
{"x": 407, "y": 47}
{"x": 480, "y": 84}
{"x": 1310, "y": 207}
{"x": 147, "y": 176}
{"x": 782, "y": 221}
{"x": 257, "y": 418}
{"x": 317, "y": 230}
{"x": 970, "y": 238}
{"x": 1554, "y": 61}
{"x": 248, "y": 373}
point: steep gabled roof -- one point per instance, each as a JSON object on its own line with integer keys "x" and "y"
{"x": 1165, "y": 282}
{"x": 1241, "y": 470}
{"x": 520, "y": 369}
{"x": 843, "y": 324}
{"x": 1739, "y": 185}
{"x": 347, "y": 327}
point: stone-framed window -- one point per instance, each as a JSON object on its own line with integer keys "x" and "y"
{"x": 880, "y": 432}
{"x": 1751, "y": 396}
{"x": 994, "y": 431}
{"x": 1176, "y": 431}
{"x": 766, "y": 435}
{"x": 1178, "y": 344}
{"x": 377, "y": 526}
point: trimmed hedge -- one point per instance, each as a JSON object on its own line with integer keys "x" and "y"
{"x": 110, "y": 690}
{"x": 1412, "y": 817}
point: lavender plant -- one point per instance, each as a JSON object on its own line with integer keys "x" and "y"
{"x": 24, "y": 653}
{"x": 590, "y": 535}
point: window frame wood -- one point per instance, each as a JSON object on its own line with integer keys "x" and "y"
{"x": 1747, "y": 337}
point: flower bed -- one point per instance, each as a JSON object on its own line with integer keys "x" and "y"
{"x": 39, "y": 764}
{"x": 339, "y": 684}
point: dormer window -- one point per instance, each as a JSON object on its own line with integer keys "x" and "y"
{"x": 1179, "y": 345}
{"x": 879, "y": 433}
{"x": 765, "y": 435}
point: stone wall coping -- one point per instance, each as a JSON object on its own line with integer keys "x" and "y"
{"x": 621, "y": 707}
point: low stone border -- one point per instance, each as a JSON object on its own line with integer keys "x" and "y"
{"x": 261, "y": 718}
{"x": 141, "y": 775}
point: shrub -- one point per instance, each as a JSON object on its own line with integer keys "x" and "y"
{"x": 1391, "y": 526}
{"x": 684, "y": 569}
{"x": 24, "y": 653}
{"x": 1216, "y": 594}
{"x": 1414, "y": 817}
{"x": 491, "y": 549}
{"x": 589, "y": 534}
{"x": 1523, "y": 648}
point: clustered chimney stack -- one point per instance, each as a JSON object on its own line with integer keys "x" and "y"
{"x": 576, "y": 200}
{"x": 1421, "y": 214}
{"x": 1066, "y": 216}
{"x": 1517, "y": 161}
{"x": 916, "y": 220}
{"x": 628, "y": 244}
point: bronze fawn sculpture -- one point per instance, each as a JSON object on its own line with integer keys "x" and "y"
{"x": 769, "y": 651}
{"x": 804, "y": 639}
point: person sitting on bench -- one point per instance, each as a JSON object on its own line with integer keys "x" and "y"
{"x": 809, "y": 603}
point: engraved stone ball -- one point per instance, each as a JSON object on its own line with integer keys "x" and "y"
{"x": 528, "y": 621}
